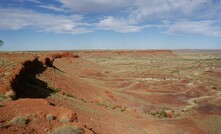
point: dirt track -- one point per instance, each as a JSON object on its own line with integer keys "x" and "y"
{"x": 109, "y": 92}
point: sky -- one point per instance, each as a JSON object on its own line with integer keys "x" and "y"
{"x": 109, "y": 24}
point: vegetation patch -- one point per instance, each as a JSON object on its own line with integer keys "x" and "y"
{"x": 68, "y": 130}
{"x": 70, "y": 95}
{"x": 160, "y": 114}
{"x": 19, "y": 121}
{"x": 214, "y": 87}
{"x": 50, "y": 117}
{"x": 65, "y": 119}
{"x": 53, "y": 89}
{"x": 165, "y": 113}
{"x": 2, "y": 97}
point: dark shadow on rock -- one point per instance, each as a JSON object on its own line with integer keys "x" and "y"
{"x": 49, "y": 63}
{"x": 26, "y": 85}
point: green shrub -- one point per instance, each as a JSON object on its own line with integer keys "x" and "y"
{"x": 64, "y": 120}
{"x": 70, "y": 95}
{"x": 214, "y": 87}
{"x": 68, "y": 130}
{"x": 19, "y": 121}
{"x": 160, "y": 114}
{"x": 53, "y": 89}
{"x": 2, "y": 97}
{"x": 50, "y": 117}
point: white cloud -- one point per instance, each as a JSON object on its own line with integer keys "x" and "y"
{"x": 201, "y": 16}
{"x": 144, "y": 10}
{"x": 165, "y": 9}
{"x": 97, "y": 6}
{"x": 142, "y": 7}
{"x": 206, "y": 27}
{"x": 54, "y": 8}
{"x": 17, "y": 19}
{"x": 34, "y": 1}
{"x": 111, "y": 23}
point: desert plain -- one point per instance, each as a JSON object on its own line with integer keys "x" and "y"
{"x": 111, "y": 92}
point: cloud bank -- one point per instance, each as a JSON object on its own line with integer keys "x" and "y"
{"x": 15, "y": 19}
{"x": 200, "y": 17}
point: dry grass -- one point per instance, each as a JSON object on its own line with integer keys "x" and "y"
{"x": 19, "y": 121}
{"x": 68, "y": 130}
{"x": 50, "y": 117}
{"x": 65, "y": 119}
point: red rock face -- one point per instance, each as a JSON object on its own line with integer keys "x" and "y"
{"x": 128, "y": 54}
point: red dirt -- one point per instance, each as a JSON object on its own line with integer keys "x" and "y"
{"x": 128, "y": 53}
{"x": 210, "y": 109}
{"x": 36, "y": 111}
{"x": 153, "y": 91}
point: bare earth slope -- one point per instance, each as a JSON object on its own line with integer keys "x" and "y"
{"x": 106, "y": 92}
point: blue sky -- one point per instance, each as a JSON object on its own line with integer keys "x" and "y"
{"x": 110, "y": 24}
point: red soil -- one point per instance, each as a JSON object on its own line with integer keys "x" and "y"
{"x": 123, "y": 53}
{"x": 35, "y": 110}
{"x": 108, "y": 92}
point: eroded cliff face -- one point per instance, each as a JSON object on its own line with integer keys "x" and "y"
{"x": 19, "y": 80}
{"x": 30, "y": 111}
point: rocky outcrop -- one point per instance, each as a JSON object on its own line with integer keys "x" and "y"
{"x": 20, "y": 76}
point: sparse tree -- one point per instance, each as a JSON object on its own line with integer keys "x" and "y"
{"x": 1, "y": 43}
